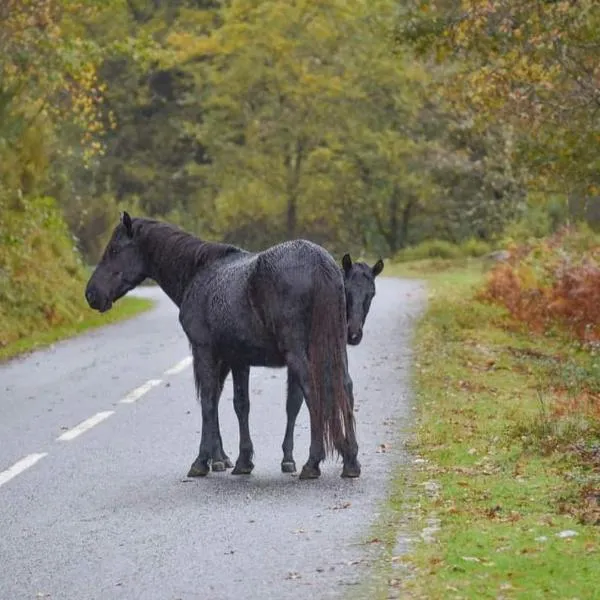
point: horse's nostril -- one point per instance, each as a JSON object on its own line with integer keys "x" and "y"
{"x": 90, "y": 295}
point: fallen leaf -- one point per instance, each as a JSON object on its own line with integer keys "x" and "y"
{"x": 293, "y": 575}
{"x": 341, "y": 506}
{"x": 493, "y": 511}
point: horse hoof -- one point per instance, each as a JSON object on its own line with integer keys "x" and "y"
{"x": 198, "y": 471}
{"x": 241, "y": 469}
{"x": 351, "y": 471}
{"x": 309, "y": 472}
{"x": 288, "y": 466}
{"x": 218, "y": 465}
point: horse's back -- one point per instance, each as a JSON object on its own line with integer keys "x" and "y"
{"x": 287, "y": 276}
{"x": 295, "y": 257}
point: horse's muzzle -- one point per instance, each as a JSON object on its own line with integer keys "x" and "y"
{"x": 96, "y": 300}
{"x": 355, "y": 337}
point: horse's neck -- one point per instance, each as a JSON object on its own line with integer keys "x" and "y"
{"x": 173, "y": 276}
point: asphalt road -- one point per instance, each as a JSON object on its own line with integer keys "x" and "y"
{"x": 94, "y": 499}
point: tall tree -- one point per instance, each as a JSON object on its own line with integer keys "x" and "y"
{"x": 298, "y": 97}
{"x": 530, "y": 64}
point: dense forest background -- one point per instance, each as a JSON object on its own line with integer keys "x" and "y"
{"x": 367, "y": 126}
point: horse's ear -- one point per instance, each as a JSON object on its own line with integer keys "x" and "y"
{"x": 126, "y": 220}
{"x": 377, "y": 268}
{"x": 346, "y": 263}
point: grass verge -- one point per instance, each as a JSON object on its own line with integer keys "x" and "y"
{"x": 124, "y": 309}
{"x": 504, "y": 496}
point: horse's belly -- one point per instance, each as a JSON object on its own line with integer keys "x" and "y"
{"x": 256, "y": 356}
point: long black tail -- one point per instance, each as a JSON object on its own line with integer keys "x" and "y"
{"x": 327, "y": 356}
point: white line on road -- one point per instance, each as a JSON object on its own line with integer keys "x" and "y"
{"x": 71, "y": 434}
{"x": 140, "y": 391}
{"x": 20, "y": 466}
{"x": 180, "y": 366}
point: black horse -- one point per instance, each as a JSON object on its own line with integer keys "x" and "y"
{"x": 359, "y": 285}
{"x": 281, "y": 307}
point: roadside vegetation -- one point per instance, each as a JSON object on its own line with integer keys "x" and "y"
{"x": 504, "y": 492}
{"x": 42, "y": 281}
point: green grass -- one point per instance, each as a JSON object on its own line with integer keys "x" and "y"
{"x": 501, "y": 467}
{"x": 124, "y": 309}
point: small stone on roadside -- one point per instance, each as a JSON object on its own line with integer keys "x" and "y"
{"x": 567, "y": 533}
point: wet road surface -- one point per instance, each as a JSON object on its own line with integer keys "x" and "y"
{"x": 96, "y": 437}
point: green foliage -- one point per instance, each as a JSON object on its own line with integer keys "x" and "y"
{"x": 52, "y": 125}
{"x": 41, "y": 277}
{"x": 526, "y": 65}
{"x": 256, "y": 122}
{"x": 474, "y": 247}
{"x": 443, "y": 249}
{"x": 429, "y": 249}
{"x": 306, "y": 119}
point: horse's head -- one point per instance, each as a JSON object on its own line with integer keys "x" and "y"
{"x": 121, "y": 268}
{"x": 359, "y": 282}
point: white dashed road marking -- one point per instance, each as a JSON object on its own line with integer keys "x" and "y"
{"x": 140, "y": 391}
{"x": 71, "y": 434}
{"x": 180, "y": 366}
{"x": 20, "y": 466}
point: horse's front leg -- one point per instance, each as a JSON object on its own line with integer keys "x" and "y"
{"x": 207, "y": 371}
{"x": 241, "y": 404}
{"x": 294, "y": 400}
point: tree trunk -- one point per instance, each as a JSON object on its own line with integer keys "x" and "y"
{"x": 407, "y": 214}
{"x": 293, "y": 164}
{"x": 395, "y": 229}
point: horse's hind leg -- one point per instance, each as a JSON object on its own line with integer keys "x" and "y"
{"x": 349, "y": 452}
{"x": 207, "y": 374}
{"x": 220, "y": 460}
{"x": 241, "y": 404}
{"x": 298, "y": 364}
{"x": 294, "y": 401}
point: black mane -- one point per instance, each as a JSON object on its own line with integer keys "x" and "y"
{"x": 182, "y": 244}
{"x": 186, "y": 253}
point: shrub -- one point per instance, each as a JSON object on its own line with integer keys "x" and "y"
{"x": 474, "y": 247}
{"x": 555, "y": 281}
{"x": 430, "y": 249}
{"x": 41, "y": 275}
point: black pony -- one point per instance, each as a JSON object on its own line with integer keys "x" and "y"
{"x": 359, "y": 285}
{"x": 281, "y": 307}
